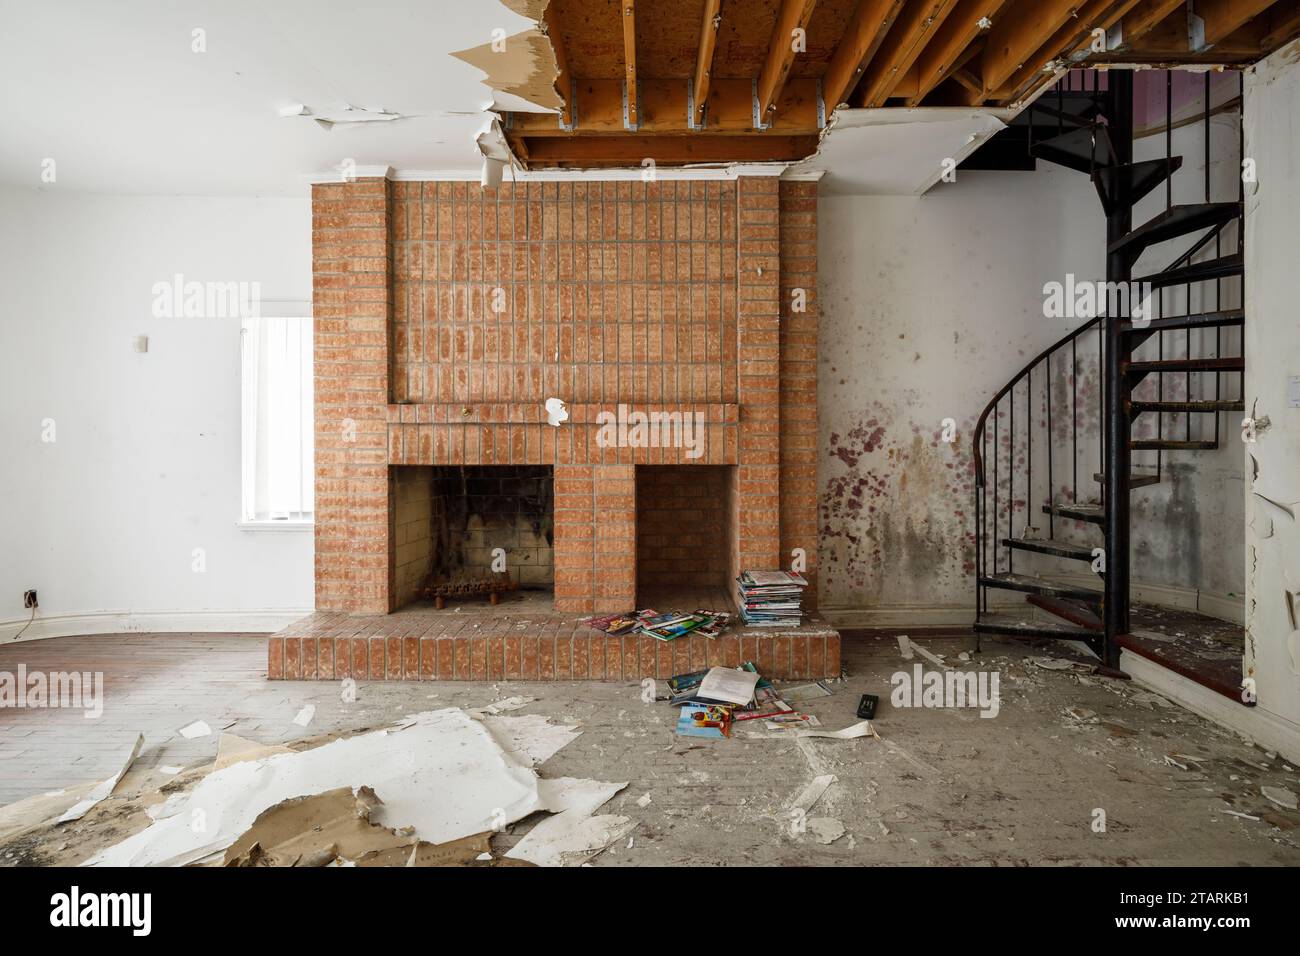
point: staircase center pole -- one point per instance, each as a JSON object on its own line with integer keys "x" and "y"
{"x": 1115, "y": 413}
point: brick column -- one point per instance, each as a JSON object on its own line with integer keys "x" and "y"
{"x": 799, "y": 316}
{"x": 351, "y": 267}
{"x": 595, "y": 538}
{"x": 756, "y": 501}
{"x": 575, "y": 530}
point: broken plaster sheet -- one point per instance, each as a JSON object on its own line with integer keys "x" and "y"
{"x": 852, "y": 732}
{"x": 813, "y": 792}
{"x": 898, "y": 152}
{"x": 573, "y": 835}
{"x": 530, "y": 739}
{"x": 199, "y": 728}
{"x": 445, "y": 775}
{"x": 101, "y": 792}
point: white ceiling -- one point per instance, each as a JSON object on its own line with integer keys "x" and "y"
{"x": 114, "y": 94}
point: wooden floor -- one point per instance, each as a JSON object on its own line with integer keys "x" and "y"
{"x": 942, "y": 786}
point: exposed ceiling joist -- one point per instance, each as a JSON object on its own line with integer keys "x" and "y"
{"x": 915, "y": 27}
{"x": 866, "y": 31}
{"x": 1144, "y": 17}
{"x": 1017, "y": 35}
{"x": 793, "y": 16}
{"x": 1074, "y": 36}
{"x": 954, "y": 44}
{"x": 628, "y": 8}
{"x": 1224, "y": 17}
{"x": 562, "y": 77}
{"x": 704, "y": 55}
{"x": 1284, "y": 24}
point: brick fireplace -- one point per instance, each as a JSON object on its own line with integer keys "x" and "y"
{"x": 447, "y": 315}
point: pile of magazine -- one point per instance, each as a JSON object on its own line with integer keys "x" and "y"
{"x": 712, "y": 701}
{"x": 664, "y": 627}
{"x": 770, "y": 598}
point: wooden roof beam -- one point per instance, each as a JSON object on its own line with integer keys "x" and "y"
{"x": 862, "y": 37}
{"x": 1223, "y": 17}
{"x": 704, "y": 56}
{"x": 1284, "y": 24}
{"x": 628, "y": 8}
{"x": 916, "y": 25}
{"x": 954, "y": 44}
{"x": 793, "y": 15}
{"x": 1144, "y": 18}
{"x": 1065, "y": 42}
{"x": 551, "y": 20}
{"x": 631, "y": 149}
{"x": 1017, "y": 36}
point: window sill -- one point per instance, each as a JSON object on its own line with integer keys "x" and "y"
{"x": 275, "y": 525}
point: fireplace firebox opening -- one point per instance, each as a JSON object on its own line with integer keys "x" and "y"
{"x": 465, "y": 525}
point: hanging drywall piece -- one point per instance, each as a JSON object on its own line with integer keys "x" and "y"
{"x": 521, "y": 65}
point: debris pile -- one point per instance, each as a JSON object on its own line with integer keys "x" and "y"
{"x": 431, "y": 790}
{"x": 714, "y": 701}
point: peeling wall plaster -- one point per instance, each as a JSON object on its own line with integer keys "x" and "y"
{"x": 1272, "y": 339}
{"x": 930, "y": 305}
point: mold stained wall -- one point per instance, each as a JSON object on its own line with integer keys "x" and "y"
{"x": 930, "y": 305}
{"x": 1272, "y": 331}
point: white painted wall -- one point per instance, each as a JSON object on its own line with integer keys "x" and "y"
{"x": 1272, "y": 333}
{"x": 145, "y": 466}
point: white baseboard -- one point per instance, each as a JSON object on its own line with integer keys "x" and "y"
{"x": 901, "y": 615}
{"x": 126, "y": 622}
{"x": 1166, "y": 595}
{"x": 1269, "y": 730}
{"x": 921, "y": 615}
{"x": 1224, "y": 608}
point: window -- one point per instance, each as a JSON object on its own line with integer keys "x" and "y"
{"x": 277, "y": 422}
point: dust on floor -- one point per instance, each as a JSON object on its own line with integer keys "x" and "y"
{"x": 941, "y": 786}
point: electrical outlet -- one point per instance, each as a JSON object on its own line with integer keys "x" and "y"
{"x": 29, "y": 599}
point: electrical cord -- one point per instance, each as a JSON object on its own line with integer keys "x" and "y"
{"x": 28, "y": 624}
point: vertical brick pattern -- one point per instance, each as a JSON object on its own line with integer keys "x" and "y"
{"x": 614, "y": 551}
{"x": 598, "y": 292}
{"x": 756, "y": 500}
{"x": 798, "y": 376}
{"x": 350, "y": 303}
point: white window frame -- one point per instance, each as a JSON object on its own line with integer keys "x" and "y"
{"x": 255, "y": 483}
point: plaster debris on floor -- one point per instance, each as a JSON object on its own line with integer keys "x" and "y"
{"x": 606, "y": 774}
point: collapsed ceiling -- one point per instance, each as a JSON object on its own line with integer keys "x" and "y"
{"x": 681, "y": 82}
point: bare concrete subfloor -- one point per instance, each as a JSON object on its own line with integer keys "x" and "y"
{"x": 942, "y": 786}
